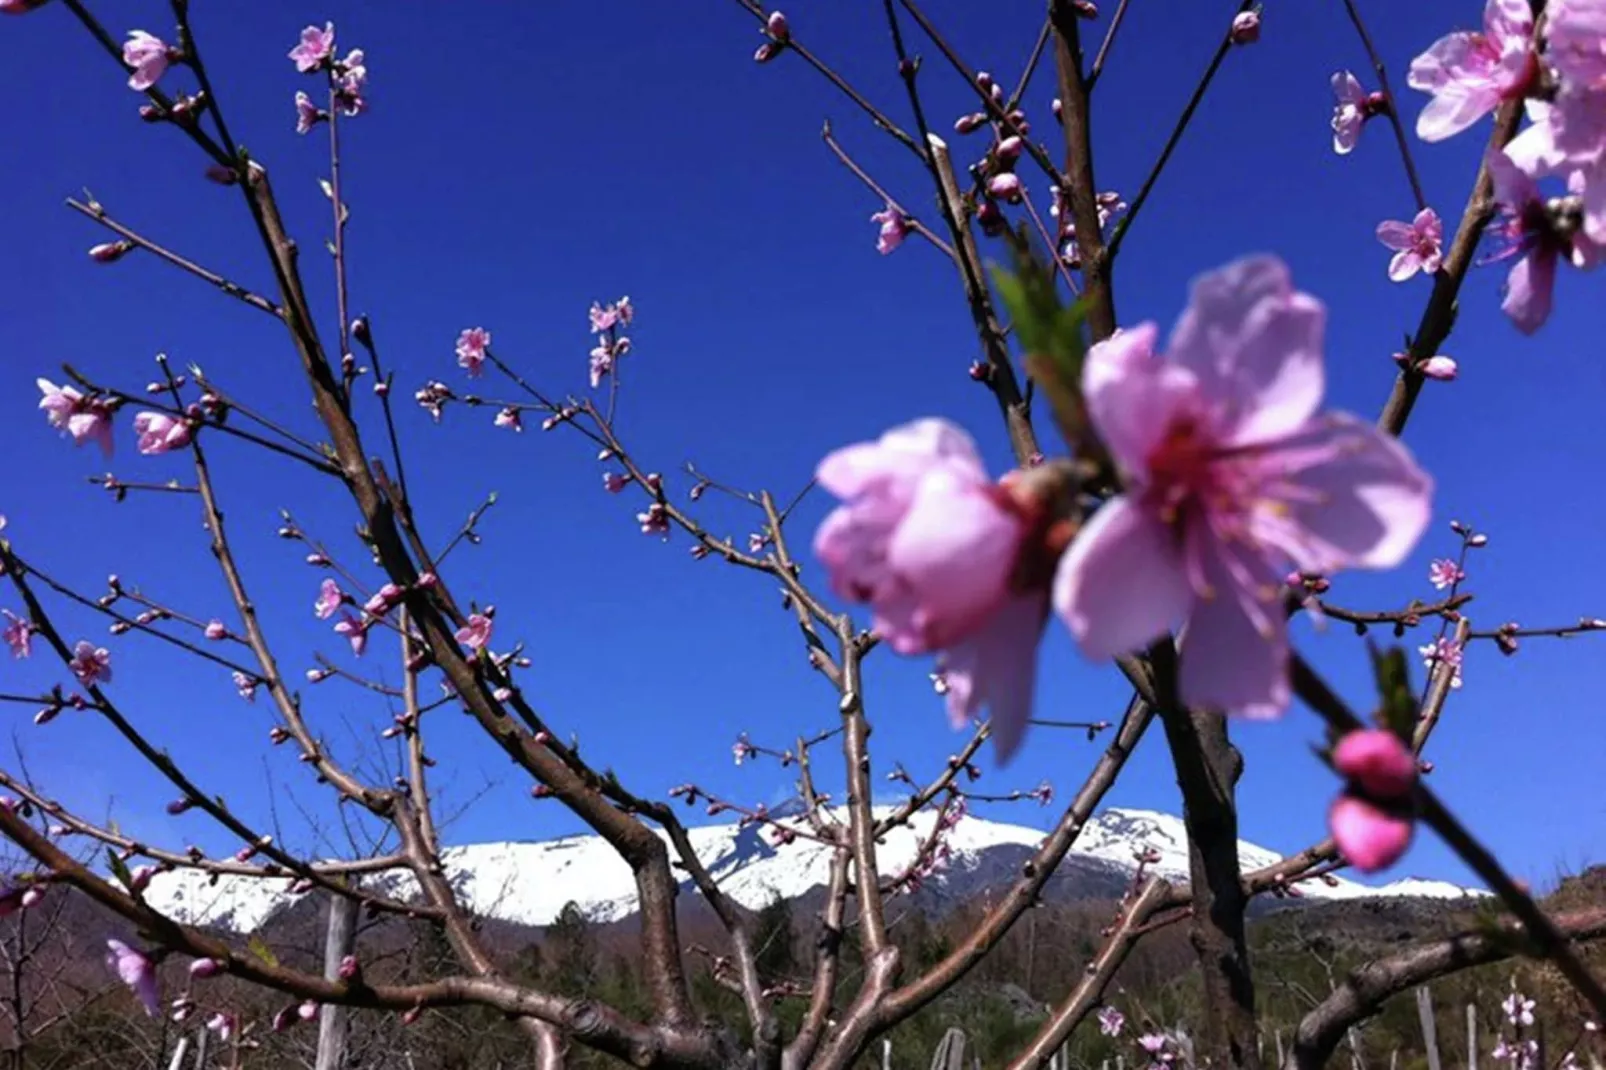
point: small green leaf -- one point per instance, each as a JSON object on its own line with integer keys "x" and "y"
{"x": 260, "y": 949}
{"x": 120, "y": 869}
{"x": 1397, "y": 709}
{"x": 1050, "y": 335}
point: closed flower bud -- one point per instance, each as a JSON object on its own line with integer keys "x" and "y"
{"x": 1009, "y": 149}
{"x": 1006, "y": 187}
{"x": 1440, "y": 368}
{"x": 969, "y": 124}
{"x": 766, "y": 52}
{"x": 1246, "y": 28}
{"x": 110, "y": 252}
{"x": 19, "y": 7}
{"x": 205, "y": 968}
{"x": 776, "y": 26}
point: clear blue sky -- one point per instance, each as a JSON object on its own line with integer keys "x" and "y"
{"x": 518, "y": 164}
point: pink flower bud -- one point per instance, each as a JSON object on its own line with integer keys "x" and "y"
{"x": 110, "y": 252}
{"x": 1246, "y": 28}
{"x": 776, "y": 26}
{"x": 1440, "y": 368}
{"x": 201, "y": 969}
{"x": 969, "y": 124}
{"x": 1005, "y": 187}
{"x": 216, "y": 630}
{"x": 1377, "y": 762}
{"x": 766, "y": 52}
{"x": 1009, "y": 149}
{"x": 19, "y": 7}
{"x": 349, "y": 968}
{"x": 984, "y": 80}
{"x": 1058, "y": 108}
{"x": 1369, "y": 837}
{"x": 32, "y": 896}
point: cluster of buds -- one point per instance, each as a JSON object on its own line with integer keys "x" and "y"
{"x": 779, "y": 34}
{"x": 433, "y": 396}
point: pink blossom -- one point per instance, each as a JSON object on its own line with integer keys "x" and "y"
{"x": 1447, "y": 651}
{"x": 136, "y": 971}
{"x": 1575, "y": 38}
{"x": 603, "y": 318}
{"x": 613, "y": 482}
{"x": 246, "y": 686}
{"x": 18, "y": 634}
{"x": 1377, "y": 762}
{"x": 655, "y": 521}
{"x": 148, "y": 56}
{"x": 1230, "y": 474}
{"x": 1111, "y": 1021}
{"x": 83, "y": 418}
{"x": 350, "y": 83}
{"x": 1527, "y": 231}
{"x": 216, "y": 630}
{"x": 1445, "y": 572}
{"x": 1352, "y": 107}
{"x": 476, "y": 633}
{"x": 1519, "y": 1009}
{"x": 1369, "y": 836}
{"x": 90, "y": 664}
{"x": 1153, "y": 1043}
{"x": 471, "y": 347}
{"x": 1420, "y": 244}
{"x": 160, "y": 433}
{"x": 510, "y": 417}
{"x": 894, "y": 228}
{"x": 355, "y": 631}
{"x": 308, "y": 114}
{"x": 601, "y": 363}
{"x": 433, "y": 396}
{"x": 315, "y": 49}
{"x": 1568, "y": 138}
{"x": 330, "y": 599}
{"x": 930, "y": 543}
{"x": 1470, "y": 74}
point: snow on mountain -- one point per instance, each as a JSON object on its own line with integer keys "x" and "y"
{"x": 529, "y": 883}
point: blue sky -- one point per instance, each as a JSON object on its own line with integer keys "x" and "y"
{"x": 516, "y": 166}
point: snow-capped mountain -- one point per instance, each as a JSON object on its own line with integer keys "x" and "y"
{"x": 529, "y": 883}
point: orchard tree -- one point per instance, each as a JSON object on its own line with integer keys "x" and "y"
{"x": 1175, "y": 503}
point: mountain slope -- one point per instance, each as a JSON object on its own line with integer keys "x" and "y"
{"x": 529, "y": 883}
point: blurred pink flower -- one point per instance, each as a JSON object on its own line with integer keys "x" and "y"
{"x": 137, "y": 972}
{"x": 1419, "y": 244}
{"x": 160, "y": 433}
{"x": 91, "y": 664}
{"x": 1370, "y": 837}
{"x": 1352, "y": 107}
{"x": 350, "y": 83}
{"x": 1470, "y": 74}
{"x": 1111, "y": 1021}
{"x": 355, "y": 631}
{"x": 1230, "y": 475}
{"x": 246, "y": 686}
{"x": 330, "y": 599}
{"x": 471, "y": 347}
{"x": 18, "y": 634}
{"x": 601, "y": 362}
{"x": 510, "y": 417}
{"x": 149, "y": 56}
{"x": 85, "y": 419}
{"x": 308, "y": 114}
{"x": 1445, "y": 572}
{"x": 476, "y": 633}
{"x": 894, "y": 228}
{"x": 1526, "y": 231}
{"x": 930, "y": 543}
{"x": 315, "y": 49}
{"x": 19, "y": 7}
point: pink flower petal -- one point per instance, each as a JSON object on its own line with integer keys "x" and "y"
{"x": 996, "y": 669}
{"x": 1529, "y": 290}
{"x": 1130, "y": 393}
{"x": 1235, "y": 651}
{"x": 1378, "y": 761}
{"x": 1396, "y": 234}
{"x": 1121, "y": 584}
{"x": 1249, "y": 337}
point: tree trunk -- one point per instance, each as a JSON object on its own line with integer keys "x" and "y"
{"x": 339, "y": 941}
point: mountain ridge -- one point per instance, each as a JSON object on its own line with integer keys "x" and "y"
{"x": 529, "y": 882}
